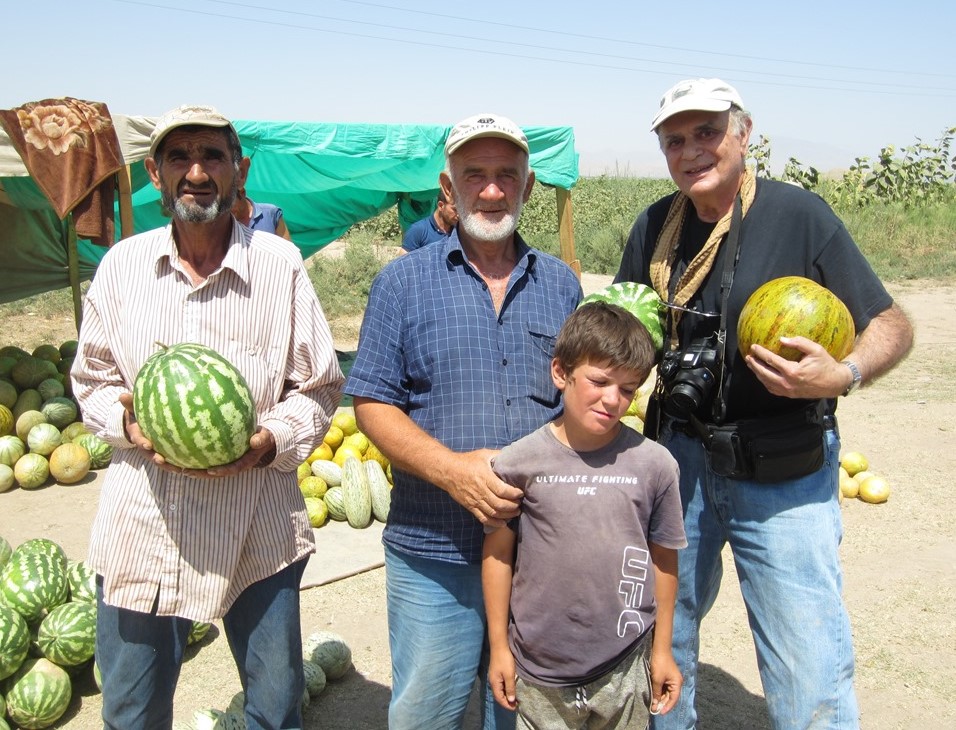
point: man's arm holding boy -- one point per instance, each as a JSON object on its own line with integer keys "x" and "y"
{"x": 666, "y": 679}
{"x": 497, "y": 569}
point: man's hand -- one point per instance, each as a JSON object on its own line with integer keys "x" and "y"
{"x": 476, "y": 488}
{"x": 815, "y": 375}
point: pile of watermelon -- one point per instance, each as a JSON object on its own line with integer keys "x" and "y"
{"x": 41, "y": 431}
{"x": 47, "y": 632}
{"x": 346, "y": 478}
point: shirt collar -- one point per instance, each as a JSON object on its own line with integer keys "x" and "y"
{"x": 235, "y": 260}
{"x": 456, "y": 254}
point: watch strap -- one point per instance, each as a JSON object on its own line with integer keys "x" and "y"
{"x": 857, "y": 377}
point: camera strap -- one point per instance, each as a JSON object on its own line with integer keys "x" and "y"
{"x": 726, "y": 282}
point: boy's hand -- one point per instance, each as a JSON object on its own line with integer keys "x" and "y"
{"x": 501, "y": 676}
{"x": 666, "y": 683}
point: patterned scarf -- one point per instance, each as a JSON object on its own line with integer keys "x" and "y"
{"x": 665, "y": 252}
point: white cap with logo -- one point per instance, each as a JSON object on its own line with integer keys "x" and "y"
{"x": 485, "y": 125}
{"x": 187, "y": 114}
{"x": 706, "y": 95}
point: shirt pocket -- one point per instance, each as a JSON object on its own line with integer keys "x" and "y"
{"x": 542, "y": 333}
{"x": 259, "y": 369}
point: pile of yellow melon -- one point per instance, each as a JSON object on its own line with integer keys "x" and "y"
{"x": 858, "y": 482}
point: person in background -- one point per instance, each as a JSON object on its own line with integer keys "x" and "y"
{"x": 259, "y": 216}
{"x": 754, "y": 434}
{"x": 453, "y": 363}
{"x": 170, "y": 545}
{"x": 579, "y": 590}
{"x": 432, "y": 228}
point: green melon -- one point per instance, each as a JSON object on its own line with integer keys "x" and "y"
{"x": 5, "y": 551}
{"x": 43, "y": 438}
{"x": 314, "y": 678}
{"x": 68, "y": 348}
{"x": 198, "y": 632}
{"x": 194, "y": 406}
{"x": 43, "y": 546}
{"x": 330, "y": 651}
{"x": 50, "y": 388}
{"x": 38, "y": 694}
{"x": 48, "y": 352}
{"x": 794, "y": 306}
{"x": 356, "y": 493}
{"x": 8, "y": 393}
{"x": 31, "y": 471}
{"x": 30, "y": 371}
{"x": 101, "y": 453}
{"x": 26, "y": 421}
{"x": 11, "y": 449}
{"x": 73, "y": 431}
{"x": 29, "y": 399}
{"x": 641, "y": 301}
{"x": 32, "y": 584}
{"x": 17, "y": 353}
{"x": 317, "y": 510}
{"x": 59, "y": 411}
{"x": 7, "y": 478}
{"x": 335, "y": 502}
{"x": 328, "y": 471}
{"x": 14, "y": 641}
{"x": 67, "y": 635}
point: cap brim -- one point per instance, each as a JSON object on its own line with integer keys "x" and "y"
{"x": 185, "y": 123}
{"x": 689, "y": 104}
{"x": 451, "y": 148}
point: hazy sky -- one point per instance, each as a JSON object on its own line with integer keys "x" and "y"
{"x": 825, "y": 81}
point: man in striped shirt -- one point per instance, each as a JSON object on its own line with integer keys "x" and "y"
{"x": 169, "y": 545}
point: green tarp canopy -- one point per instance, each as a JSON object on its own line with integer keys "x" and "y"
{"x": 324, "y": 176}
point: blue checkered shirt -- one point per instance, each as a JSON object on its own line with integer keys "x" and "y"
{"x": 433, "y": 345}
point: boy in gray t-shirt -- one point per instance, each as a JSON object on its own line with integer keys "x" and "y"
{"x": 580, "y": 614}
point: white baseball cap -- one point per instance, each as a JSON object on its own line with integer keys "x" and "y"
{"x": 182, "y": 116}
{"x": 706, "y": 95}
{"x": 485, "y": 125}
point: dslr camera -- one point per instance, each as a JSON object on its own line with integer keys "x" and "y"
{"x": 689, "y": 376}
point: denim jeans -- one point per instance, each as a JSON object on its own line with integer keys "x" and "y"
{"x": 140, "y": 656}
{"x": 436, "y": 634}
{"x": 784, "y": 539}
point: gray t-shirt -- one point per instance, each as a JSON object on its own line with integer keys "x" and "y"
{"x": 583, "y": 589}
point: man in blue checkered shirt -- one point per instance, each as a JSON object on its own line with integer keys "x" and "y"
{"x": 454, "y": 363}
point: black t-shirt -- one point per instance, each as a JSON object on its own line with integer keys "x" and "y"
{"x": 787, "y": 232}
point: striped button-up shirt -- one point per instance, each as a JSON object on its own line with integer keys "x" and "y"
{"x": 433, "y": 345}
{"x": 194, "y": 544}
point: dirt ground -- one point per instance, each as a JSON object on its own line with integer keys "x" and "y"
{"x": 898, "y": 558}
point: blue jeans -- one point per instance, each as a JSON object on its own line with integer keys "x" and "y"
{"x": 436, "y": 633}
{"x": 784, "y": 539}
{"x": 140, "y": 655}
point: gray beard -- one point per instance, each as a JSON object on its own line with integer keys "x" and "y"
{"x": 196, "y": 213}
{"x": 484, "y": 230}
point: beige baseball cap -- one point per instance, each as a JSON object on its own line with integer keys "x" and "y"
{"x": 182, "y": 116}
{"x": 485, "y": 125}
{"x": 706, "y": 95}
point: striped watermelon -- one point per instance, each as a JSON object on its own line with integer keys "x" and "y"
{"x": 32, "y": 584}
{"x": 101, "y": 453}
{"x": 45, "y": 546}
{"x": 82, "y": 580}
{"x": 194, "y": 406}
{"x": 38, "y": 694}
{"x": 198, "y": 632}
{"x": 14, "y": 641}
{"x": 641, "y": 301}
{"x": 67, "y": 635}
{"x": 59, "y": 411}
{"x": 5, "y": 551}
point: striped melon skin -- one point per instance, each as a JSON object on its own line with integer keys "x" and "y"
{"x": 641, "y": 301}
{"x": 330, "y": 651}
{"x": 67, "y": 635}
{"x": 14, "y": 641}
{"x": 194, "y": 407}
{"x": 32, "y": 584}
{"x": 335, "y": 502}
{"x": 792, "y": 306}
{"x": 101, "y": 453}
{"x": 379, "y": 489}
{"x": 356, "y": 493}
{"x": 82, "y": 581}
{"x": 38, "y": 694}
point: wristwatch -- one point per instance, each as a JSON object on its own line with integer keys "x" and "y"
{"x": 857, "y": 378}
